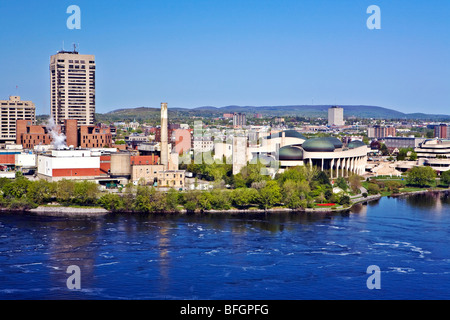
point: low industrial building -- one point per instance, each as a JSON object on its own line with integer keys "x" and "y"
{"x": 69, "y": 164}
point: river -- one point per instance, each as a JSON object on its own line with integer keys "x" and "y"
{"x": 226, "y": 257}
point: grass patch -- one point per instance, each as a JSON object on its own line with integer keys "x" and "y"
{"x": 411, "y": 189}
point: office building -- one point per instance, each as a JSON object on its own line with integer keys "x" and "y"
{"x": 380, "y": 132}
{"x": 12, "y": 110}
{"x": 335, "y": 116}
{"x": 239, "y": 119}
{"x": 402, "y": 142}
{"x": 441, "y": 131}
{"x": 72, "y": 83}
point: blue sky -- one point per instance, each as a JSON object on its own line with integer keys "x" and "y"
{"x": 193, "y": 53}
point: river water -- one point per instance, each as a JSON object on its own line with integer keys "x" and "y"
{"x": 227, "y": 257}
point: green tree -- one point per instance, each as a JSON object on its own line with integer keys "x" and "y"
{"x": 244, "y": 197}
{"x": 421, "y": 176}
{"x": 341, "y": 183}
{"x": 345, "y": 200}
{"x": 172, "y": 200}
{"x": 65, "y": 190}
{"x": 270, "y": 195}
{"x": 402, "y": 154}
{"x": 220, "y": 199}
{"x": 149, "y": 200}
{"x": 291, "y": 194}
{"x": 384, "y": 150}
{"x": 41, "y": 191}
{"x": 112, "y": 202}
{"x": 445, "y": 178}
{"x": 17, "y": 188}
{"x": 373, "y": 188}
{"x": 322, "y": 178}
{"x": 85, "y": 193}
{"x": 355, "y": 183}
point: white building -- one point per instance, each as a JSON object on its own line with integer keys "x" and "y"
{"x": 336, "y": 116}
{"x": 25, "y": 160}
{"x": 203, "y": 144}
{"x": 68, "y": 164}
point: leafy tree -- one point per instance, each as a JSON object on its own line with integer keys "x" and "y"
{"x": 355, "y": 183}
{"x": 373, "y": 188}
{"x": 413, "y": 156}
{"x": 65, "y": 190}
{"x": 41, "y": 191}
{"x": 220, "y": 199}
{"x": 243, "y": 197}
{"x": 402, "y": 154}
{"x": 85, "y": 192}
{"x": 291, "y": 194}
{"x": 341, "y": 183}
{"x": 112, "y": 202}
{"x": 293, "y": 173}
{"x": 172, "y": 200}
{"x": 252, "y": 173}
{"x": 345, "y": 200}
{"x": 322, "y": 178}
{"x": 149, "y": 200}
{"x": 445, "y": 178}
{"x": 17, "y": 188}
{"x": 384, "y": 150}
{"x": 204, "y": 201}
{"x": 270, "y": 195}
{"x": 421, "y": 176}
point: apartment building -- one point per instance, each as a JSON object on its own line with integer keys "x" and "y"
{"x": 12, "y": 110}
{"x": 72, "y": 83}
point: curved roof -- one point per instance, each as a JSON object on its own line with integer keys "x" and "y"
{"x": 290, "y": 153}
{"x": 356, "y": 144}
{"x": 320, "y": 145}
{"x": 335, "y": 141}
{"x": 287, "y": 134}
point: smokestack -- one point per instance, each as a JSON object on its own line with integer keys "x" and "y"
{"x": 164, "y": 137}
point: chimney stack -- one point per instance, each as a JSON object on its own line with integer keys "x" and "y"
{"x": 164, "y": 136}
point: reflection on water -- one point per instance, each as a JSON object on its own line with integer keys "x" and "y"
{"x": 431, "y": 200}
{"x": 70, "y": 244}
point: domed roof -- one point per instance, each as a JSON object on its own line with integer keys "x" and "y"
{"x": 290, "y": 153}
{"x": 319, "y": 145}
{"x": 335, "y": 141}
{"x": 287, "y": 134}
{"x": 356, "y": 144}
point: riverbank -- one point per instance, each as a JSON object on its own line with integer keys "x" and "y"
{"x": 61, "y": 211}
{"x": 69, "y": 211}
{"x": 92, "y": 212}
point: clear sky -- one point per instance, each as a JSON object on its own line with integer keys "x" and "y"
{"x": 193, "y": 53}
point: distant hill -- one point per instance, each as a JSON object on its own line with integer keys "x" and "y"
{"x": 307, "y": 111}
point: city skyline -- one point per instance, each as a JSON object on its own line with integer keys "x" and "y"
{"x": 207, "y": 53}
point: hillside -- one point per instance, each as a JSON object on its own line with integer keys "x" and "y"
{"x": 308, "y": 111}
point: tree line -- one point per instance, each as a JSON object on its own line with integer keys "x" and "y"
{"x": 296, "y": 188}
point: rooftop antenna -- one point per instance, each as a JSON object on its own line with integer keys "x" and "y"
{"x": 74, "y": 47}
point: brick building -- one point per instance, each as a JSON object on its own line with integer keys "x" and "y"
{"x": 90, "y": 136}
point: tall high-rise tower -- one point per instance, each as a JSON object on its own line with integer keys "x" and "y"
{"x": 336, "y": 116}
{"x": 72, "y": 82}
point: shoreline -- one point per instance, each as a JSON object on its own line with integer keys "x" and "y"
{"x": 78, "y": 212}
